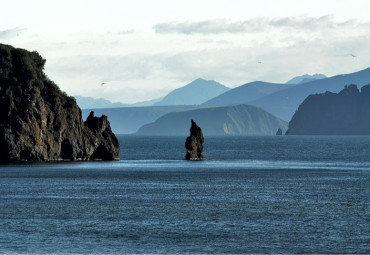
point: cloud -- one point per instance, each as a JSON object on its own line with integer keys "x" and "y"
{"x": 121, "y": 32}
{"x": 229, "y": 59}
{"x": 210, "y": 26}
{"x": 11, "y": 33}
{"x": 261, "y": 24}
{"x": 108, "y": 67}
{"x": 304, "y": 22}
{"x": 233, "y": 65}
{"x": 126, "y": 32}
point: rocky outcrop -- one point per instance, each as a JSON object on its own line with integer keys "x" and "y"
{"x": 343, "y": 113}
{"x": 194, "y": 143}
{"x": 279, "y": 132}
{"x": 39, "y": 122}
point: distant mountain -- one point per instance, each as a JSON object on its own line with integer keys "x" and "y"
{"x": 345, "y": 113}
{"x": 146, "y": 103}
{"x": 306, "y": 78}
{"x": 95, "y": 103}
{"x": 246, "y": 93}
{"x": 127, "y": 120}
{"x": 227, "y": 120}
{"x": 284, "y": 103}
{"x": 194, "y": 93}
{"x": 89, "y": 102}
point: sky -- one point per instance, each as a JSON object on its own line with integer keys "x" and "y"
{"x": 143, "y": 49}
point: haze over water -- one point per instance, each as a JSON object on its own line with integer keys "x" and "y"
{"x": 257, "y": 195}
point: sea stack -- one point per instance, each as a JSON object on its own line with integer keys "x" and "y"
{"x": 194, "y": 143}
{"x": 279, "y": 132}
{"x": 39, "y": 122}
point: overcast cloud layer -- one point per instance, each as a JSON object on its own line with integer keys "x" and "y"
{"x": 142, "y": 55}
{"x": 12, "y": 33}
{"x": 254, "y": 25}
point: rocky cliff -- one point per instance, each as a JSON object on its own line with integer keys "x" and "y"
{"x": 343, "y": 113}
{"x": 194, "y": 143}
{"x": 39, "y": 122}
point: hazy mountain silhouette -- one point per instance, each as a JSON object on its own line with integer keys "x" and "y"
{"x": 284, "y": 103}
{"x": 194, "y": 93}
{"x": 127, "y": 120}
{"x": 147, "y": 103}
{"x": 89, "y": 103}
{"x": 343, "y": 113}
{"x": 306, "y": 78}
{"x": 226, "y": 120}
{"x": 246, "y": 93}
{"x": 94, "y": 103}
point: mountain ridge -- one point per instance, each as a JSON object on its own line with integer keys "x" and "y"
{"x": 246, "y": 93}
{"x": 194, "y": 93}
{"x": 306, "y": 78}
{"x": 223, "y": 120}
{"x": 343, "y": 113}
{"x": 99, "y": 103}
{"x": 284, "y": 103}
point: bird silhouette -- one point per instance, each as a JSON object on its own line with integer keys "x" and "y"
{"x": 352, "y": 55}
{"x": 102, "y": 84}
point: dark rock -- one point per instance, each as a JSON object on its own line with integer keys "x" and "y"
{"x": 343, "y": 113}
{"x": 39, "y": 122}
{"x": 279, "y": 132}
{"x": 106, "y": 143}
{"x": 194, "y": 143}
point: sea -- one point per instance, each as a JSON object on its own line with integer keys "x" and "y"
{"x": 253, "y": 194}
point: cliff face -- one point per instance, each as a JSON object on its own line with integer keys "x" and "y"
{"x": 343, "y": 113}
{"x": 38, "y": 122}
{"x": 226, "y": 120}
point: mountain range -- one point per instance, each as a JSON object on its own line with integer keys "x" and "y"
{"x": 306, "y": 78}
{"x": 281, "y": 100}
{"x": 194, "y": 93}
{"x": 246, "y": 93}
{"x": 89, "y": 102}
{"x": 225, "y": 120}
{"x": 284, "y": 103}
{"x": 205, "y": 93}
{"x": 95, "y": 103}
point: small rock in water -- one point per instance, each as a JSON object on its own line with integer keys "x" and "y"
{"x": 194, "y": 143}
{"x": 279, "y": 132}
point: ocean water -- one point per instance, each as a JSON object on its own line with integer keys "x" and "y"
{"x": 269, "y": 194}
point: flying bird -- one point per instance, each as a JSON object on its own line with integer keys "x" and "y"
{"x": 352, "y": 55}
{"x": 259, "y": 62}
{"x": 102, "y": 84}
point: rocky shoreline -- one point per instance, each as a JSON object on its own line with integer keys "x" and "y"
{"x": 39, "y": 122}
